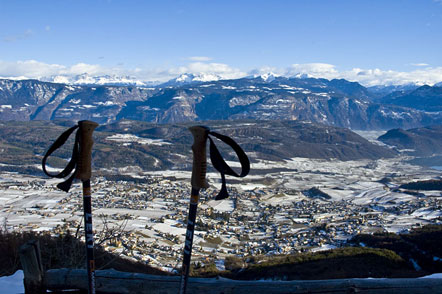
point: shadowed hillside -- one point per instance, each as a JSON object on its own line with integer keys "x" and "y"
{"x": 425, "y": 141}
{"x": 165, "y": 146}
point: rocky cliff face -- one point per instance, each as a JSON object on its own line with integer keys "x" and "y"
{"x": 35, "y": 100}
{"x": 337, "y": 102}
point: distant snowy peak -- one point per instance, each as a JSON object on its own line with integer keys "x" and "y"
{"x": 384, "y": 90}
{"x": 86, "y": 79}
{"x": 58, "y": 79}
{"x": 269, "y": 77}
{"x": 189, "y": 78}
{"x": 302, "y": 76}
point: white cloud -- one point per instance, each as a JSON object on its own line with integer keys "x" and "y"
{"x": 268, "y": 69}
{"x": 371, "y": 77}
{"x": 91, "y": 69}
{"x": 29, "y": 68}
{"x": 13, "y": 38}
{"x": 367, "y": 77}
{"x": 315, "y": 70}
{"x": 199, "y": 58}
{"x": 219, "y": 69}
{"x": 33, "y": 69}
{"x": 419, "y": 64}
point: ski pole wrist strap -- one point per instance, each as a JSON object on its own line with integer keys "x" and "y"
{"x": 220, "y": 164}
{"x": 66, "y": 185}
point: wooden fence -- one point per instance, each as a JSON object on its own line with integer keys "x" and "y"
{"x": 111, "y": 281}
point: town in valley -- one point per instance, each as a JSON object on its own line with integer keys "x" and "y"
{"x": 283, "y": 207}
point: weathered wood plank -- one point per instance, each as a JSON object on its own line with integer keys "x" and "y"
{"x": 30, "y": 258}
{"x": 110, "y": 281}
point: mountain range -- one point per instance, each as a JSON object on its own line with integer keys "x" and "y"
{"x": 423, "y": 98}
{"x": 192, "y": 98}
{"x": 103, "y": 80}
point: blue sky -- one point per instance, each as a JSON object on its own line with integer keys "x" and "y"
{"x": 370, "y": 40}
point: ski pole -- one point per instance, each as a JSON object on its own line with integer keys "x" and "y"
{"x": 198, "y": 181}
{"x": 86, "y": 141}
{"x": 81, "y": 164}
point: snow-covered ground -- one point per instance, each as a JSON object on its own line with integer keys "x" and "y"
{"x": 156, "y": 212}
{"x": 12, "y": 284}
{"x": 354, "y": 181}
{"x": 127, "y": 139}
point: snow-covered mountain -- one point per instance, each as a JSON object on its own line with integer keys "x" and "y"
{"x": 425, "y": 98}
{"x": 109, "y": 80}
{"x": 189, "y": 78}
{"x": 380, "y": 91}
{"x": 36, "y": 100}
{"x": 267, "y": 77}
{"x": 269, "y": 97}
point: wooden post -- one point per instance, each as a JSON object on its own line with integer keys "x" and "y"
{"x": 30, "y": 258}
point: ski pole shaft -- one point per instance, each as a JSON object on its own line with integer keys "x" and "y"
{"x": 198, "y": 181}
{"x": 90, "y": 263}
{"x": 86, "y": 129}
{"x": 189, "y": 240}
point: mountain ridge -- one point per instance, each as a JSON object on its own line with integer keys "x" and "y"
{"x": 152, "y": 146}
{"x": 333, "y": 102}
{"x": 425, "y": 98}
{"x": 426, "y": 141}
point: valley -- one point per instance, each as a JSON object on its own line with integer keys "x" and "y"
{"x": 312, "y": 187}
{"x": 286, "y": 206}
